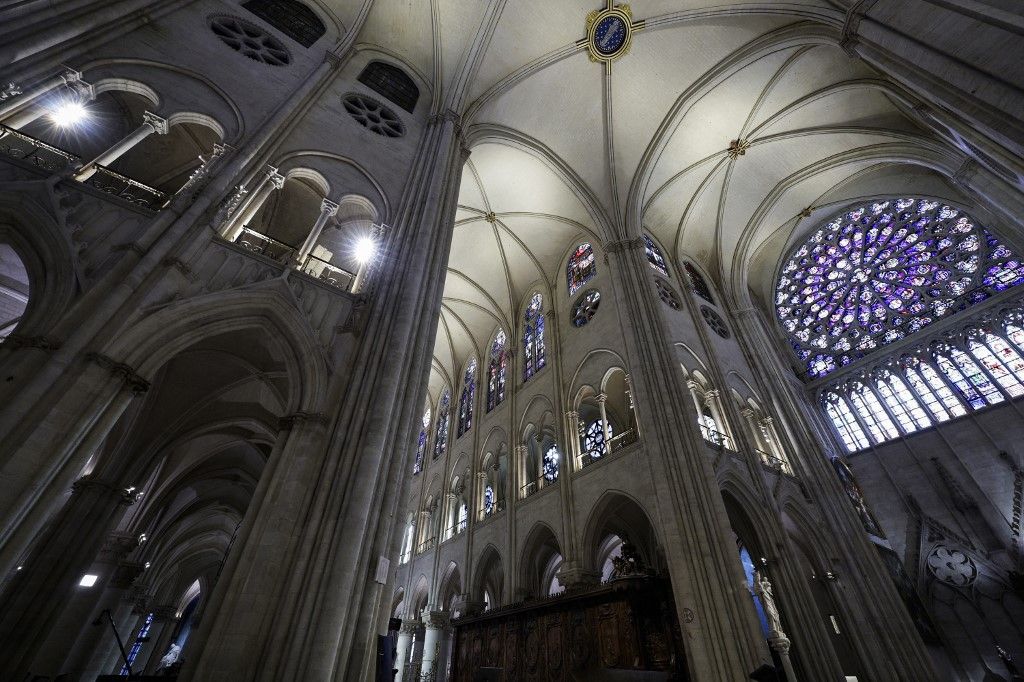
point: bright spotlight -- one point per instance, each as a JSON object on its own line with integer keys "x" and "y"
{"x": 88, "y": 580}
{"x": 366, "y": 249}
{"x": 69, "y": 113}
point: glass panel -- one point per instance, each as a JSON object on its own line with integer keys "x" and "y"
{"x": 582, "y": 267}
{"x": 976, "y": 376}
{"x": 931, "y": 401}
{"x": 879, "y": 425}
{"x": 846, "y": 424}
{"x": 942, "y": 390}
{"x": 895, "y": 406}
{"x": 1002, "y": 362}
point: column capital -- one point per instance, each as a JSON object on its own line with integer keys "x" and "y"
{"x": 117, "y": 546}
{"x": 290, "y": 421}
{"x": 133, "y": 381}
{"x": 273, "y": 176}
{"x": 621, "y": 245}
{"x": 409, "y": 626}
{"x": 573, "y": 415}
{"x": 601, "y": 398}
{"x": 158, "y": 123}
{"x": 126, "y": 573}
{"x": 712, "y": 393}
{"x": 328, "y": 207}
{"x": 90, "y": 483}
{"x": 435, "y": 620}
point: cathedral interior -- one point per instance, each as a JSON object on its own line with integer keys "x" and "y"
{"x": 428, "y": 340}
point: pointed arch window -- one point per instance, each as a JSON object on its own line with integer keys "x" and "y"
{"x": 391, "y": 82}
{"x": 970, "y": 380}
{"x": 594, "y": 442}
{"x": 534, "y": 351}
{"x": 1001, "y": 361}
{"x": 654, "y": 256}
{"x": 901, "y": 402}
{"x": 582, "y": 267}
{"x": 421, "y": 444}
{"x": 467, "y": 398}
{"x": 698, "y": 284}
{"x": 942, "y": 390}
{"x": 497, "y": 368}
{"x": 871, "y": 412}
{"x": 441, "y": 431}
{"x": 488, "y": 500}
{"x": 846, "y": 424}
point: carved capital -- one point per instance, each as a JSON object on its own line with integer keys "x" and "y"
{"x": 435, "y": 620}
{"x": 273, "y": 176}
{"x": 328, "y": 208}
{"x": 290, "y": 421}
{"x": 164, "y": 612}
{"x": 90, "y": 484}
{"x": 116, "y": 547}
{"x": 38, "y": 342}
{"x": 125, "y": 574}
{"x": 133, "y": 381}
{"x": 623, "y": 245}
{"x": 158, "y": 123}
{"x": 409, "y": 627}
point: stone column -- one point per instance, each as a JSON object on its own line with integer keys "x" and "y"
{"x": 405, "y": 635}
{"x": 328, "y": 209}
{"x": 270, "y": 180}
{"x": 723, "y": 639}
{"x": 605, "y": 426}
{"x": 451, "y": 514}
{"x": 572, "y": 437}
{"x": 434, "y": 623}
{"x": 33, "y": 601}
{"x": 254, "y": 583}
{"x": 199, "y": 175}
{"x": 16, "y": 104}
{"x": 151, "y": 123}
{"x": 711, "y": 398}
{"x": 524, "y": 475}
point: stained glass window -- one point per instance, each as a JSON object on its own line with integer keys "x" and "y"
{"x": 392, "y": 82}
{"x": 586, "y": 307}
{"x": 697, "y": 283}
{"x": 901, "y": 402}
{"x": 421, "y": 444}
{"x": 654, "y": 256}
{"x": 594, "y": 439}
{"x": 582, "y": 267}
{"x": 496, "y": 370}
{"x": 441, "y": 430}
{"x": 140, "y": 639}
{"x": 463, "y": 518}
{"x": 466, "y": 399}
{"x": 949, "y": 400}
{"x": 534, "y": 350}
{"x": 709, "y": 428}
{"x": 875, "y": 274}
{"x": 846, "y": 424}
{"x": 488, "y": 500}
{"x": 550, "y": 463}
{"x": 975, "y": 375}
{"x": 871, "y": 413}
{"x": 1001, "y": 361}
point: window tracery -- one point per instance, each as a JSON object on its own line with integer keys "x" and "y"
{"x": 698, "y": 284}
{"x": 467, "y": 398}
{"x": 534, "y": 350}
{"x": 582, "y": 267}
{"x": 550, "y": 463}
{"x": 421, "y": 444}
{"x": 654, "y": 256}
{"x": 594, "y": 439}
{"x": 250, "y": 40}
{"x": 441, "y": 436}
{"x": 294, "y": 19}
{"x": 496, "y": 371}
{"x": 391, "y": 82}
{"x": 586, "y": 307}
{"x": 884, "y": 270}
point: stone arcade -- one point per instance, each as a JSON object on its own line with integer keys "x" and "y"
{"x": 432, "y": 340}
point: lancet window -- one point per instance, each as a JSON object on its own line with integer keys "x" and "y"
{"x": 467, "y": 398}
{"x": 421, "y": 444}
{"x": 698, "y": 284}
{"x": 534, "y": 351}
{"x": 441, "y": 433}
{"x": 654, "y": 256}
{"x": 582, "y": 267}
{"x": 497, "y": 368}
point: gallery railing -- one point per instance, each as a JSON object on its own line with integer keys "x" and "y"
{"x": 126, "y": 189}
{"x": 329, "y": 274}
{"x": 20, "y": 147}
{"x": 257, "y": 242}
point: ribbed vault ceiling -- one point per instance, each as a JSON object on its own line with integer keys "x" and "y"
{"x": 563, "y": 149}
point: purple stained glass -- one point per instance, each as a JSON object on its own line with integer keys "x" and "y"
{"x": 872, "y": 275}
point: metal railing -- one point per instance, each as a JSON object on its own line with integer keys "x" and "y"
{"x": 257, "y": 242}
{"x": 713, "y": 437}
{"x": 126, "y": 189}
{"x": 773, "y": 462}
{"x": 537, "y": 485}
{"x": 425, "y": 545}
{"x": 619, "y": 441}
{"x": 327, "y": 273}
{"x": 452, "y": 531}
{"x": 21, "y": 147}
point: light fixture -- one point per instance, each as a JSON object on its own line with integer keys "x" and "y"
{"x": 366, "y": 249}
{"x": 69, "y": 113}
{"x": 142, "y": 538}
{"x": 147, "y": 565}
{"x": 88, "y": 580}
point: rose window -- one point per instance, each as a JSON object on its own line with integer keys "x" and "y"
{"x": 882, "y": 271}
{"x": 586, "y": 307}
{"x": 250, "y": 40}
{"x": 374, "y": 116}
{"x": 714, "y": 321}
{"x": 952, "y": 567}
{"x": 665, "y": 292}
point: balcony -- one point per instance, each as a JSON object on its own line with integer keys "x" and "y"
{"x": 714, "y": 438}
{"x": 426, "y": 545}
{"x": 617, "y": 443}
{"x": 774, "y": 463}
{"x": 317, "y": 268}
{"x": 28, "y": 151}
{"x": 536, "y": 485}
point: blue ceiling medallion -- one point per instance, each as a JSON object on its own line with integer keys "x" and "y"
{"x": 609, "y": 32}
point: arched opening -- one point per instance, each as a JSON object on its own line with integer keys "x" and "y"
{"x": 541, "y": 561}
{"x": 14, "y": 290}
{"x": 488, "y": 586}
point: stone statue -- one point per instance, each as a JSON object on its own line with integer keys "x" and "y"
{"x": 763, "y": 589}
{"x": 171, "y": 657}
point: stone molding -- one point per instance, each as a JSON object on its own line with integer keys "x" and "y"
{"x": 117, "y": 546}
{"x": 436, "y": 619}
{"x": 42, "y": 343}
{"x": 125, "y": 574}
{"x": 131, "y": 379}
{"x": 621, "y": 245}
{"x": 409, "y": 626}
{"x": 290, "y": 421}
{"x": 90, "y": 483}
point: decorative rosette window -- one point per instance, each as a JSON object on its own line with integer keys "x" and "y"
{"x": 880, "y": 272}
